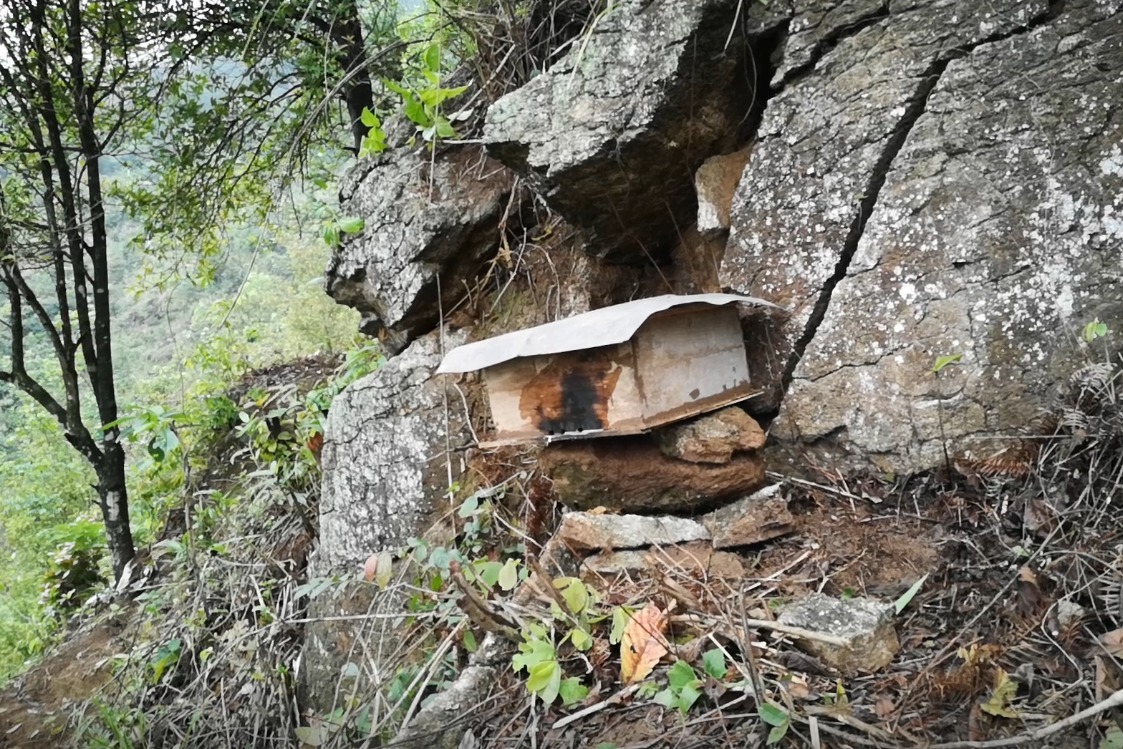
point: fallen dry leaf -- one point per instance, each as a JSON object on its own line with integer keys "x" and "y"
{"x": 1113, "y": 642}
{"x": 1030, "y": 597}
{"x": 643, "y": 644}
{"x": 884, "y": 707}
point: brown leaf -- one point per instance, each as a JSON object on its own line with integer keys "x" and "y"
{"x": 1029, "y": 593}
{"x": 1113, "y": 642}
{"x": 884, "y": 707}
{"x": 643, "y": 644}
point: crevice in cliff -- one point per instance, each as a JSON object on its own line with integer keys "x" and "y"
{"x": 764, "y": 48}
{"x": 914, "y": 109}
{"x": 827, "y": 43}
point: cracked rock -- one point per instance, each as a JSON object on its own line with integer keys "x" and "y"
{"x": 715, "y": 181}
{"x": 913, "y": 193}
{"x": 759, "y": 517}
{"x": 611, "y": 135}
{"x": 423, "y": 222}
{"x": 865, "y": 626}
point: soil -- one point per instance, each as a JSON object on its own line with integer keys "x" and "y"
{"x": 35, "y": 709}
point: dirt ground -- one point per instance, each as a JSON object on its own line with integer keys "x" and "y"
{"x": 35, "y": 708}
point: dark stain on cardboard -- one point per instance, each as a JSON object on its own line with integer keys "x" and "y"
{"x": 571, "y": 394}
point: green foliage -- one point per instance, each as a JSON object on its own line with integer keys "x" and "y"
{"x": 538, "y": 657}
{"x": 776, "y": 717}
{"x": 165, "y": 658}
{"x": 713, "y": 663}
{"x": 944, "y": 361}
{"x": 422, "y": 105}
{"x": 1094, "y": 330}
{"x": 683, "y": 688}
{"x": 75, "y": 570}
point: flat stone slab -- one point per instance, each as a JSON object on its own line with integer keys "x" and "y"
{"x": 696, "y": 558}
{"x": 583, "y": 531}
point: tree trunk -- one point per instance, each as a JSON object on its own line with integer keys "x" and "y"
{"x": 113, "y": 499}
{"x": 357, "y": 91}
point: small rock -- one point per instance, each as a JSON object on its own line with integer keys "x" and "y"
{"x": 1069, "y": 612}
{"x": 693, "y": 558}
{"x": 716, "y": 181}
{"x": 712, "y": 438}
{"x": 631, "y": 474}
{"x": 583, "y": 531}
{"x": 865, "y": 624}
{"x": 758, "y": 517}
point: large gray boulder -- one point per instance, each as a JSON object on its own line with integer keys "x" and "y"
{"x": 945, "y": 179}
{"x": 391, "y": 443}
{"x": 429, "y": 224}
{"x": 612, "y": 134}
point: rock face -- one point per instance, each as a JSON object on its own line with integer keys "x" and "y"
{"x": 426, "y": 225}
{"x": 386, "y": 466}
{"x": 385, "y": 457}
{"x": 612, "y": 134}
{"x": 942, "y": 178}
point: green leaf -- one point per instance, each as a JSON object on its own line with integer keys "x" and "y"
{"x": 666, "y": 698}
{"x": 509, "y": 575}
{"x": 621, "y": 615}
{"x": 470, "y": 643}
{"x": 572, "y": 691}
{"x": 415, "y": 111}
{"x": 943, "y": 361}
{"x": 312, "y": 736}
{"x": 432, "y": 58}
{"x": 574, "y": 592}
{"x": 488, "y": 572}
{"x": 772, "y": 715}
{"x": 713, "y": 663}
{"x": 370, "y": 119}
{"x": 1094, "y": 330}
{"x": 1113, "y": 738}
{"x": 544, "y": 680}
{"x": 688, "y": 695}
{"x": 444, "y": 128}
{"x": 776, "y": 735}
{"x": 351, "y": 224}
{"x": 908, "y": 595}
{"x": 469, "y": 506}
{"x": 331, "y": 236}
{"x": 680, "y": 675}
{"x": 581, "y": 639}
{"x": 533, "y": 652}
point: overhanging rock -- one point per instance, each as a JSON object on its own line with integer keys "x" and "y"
{"x": 611, "y": 135}
{"x": 428, "y": 225}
